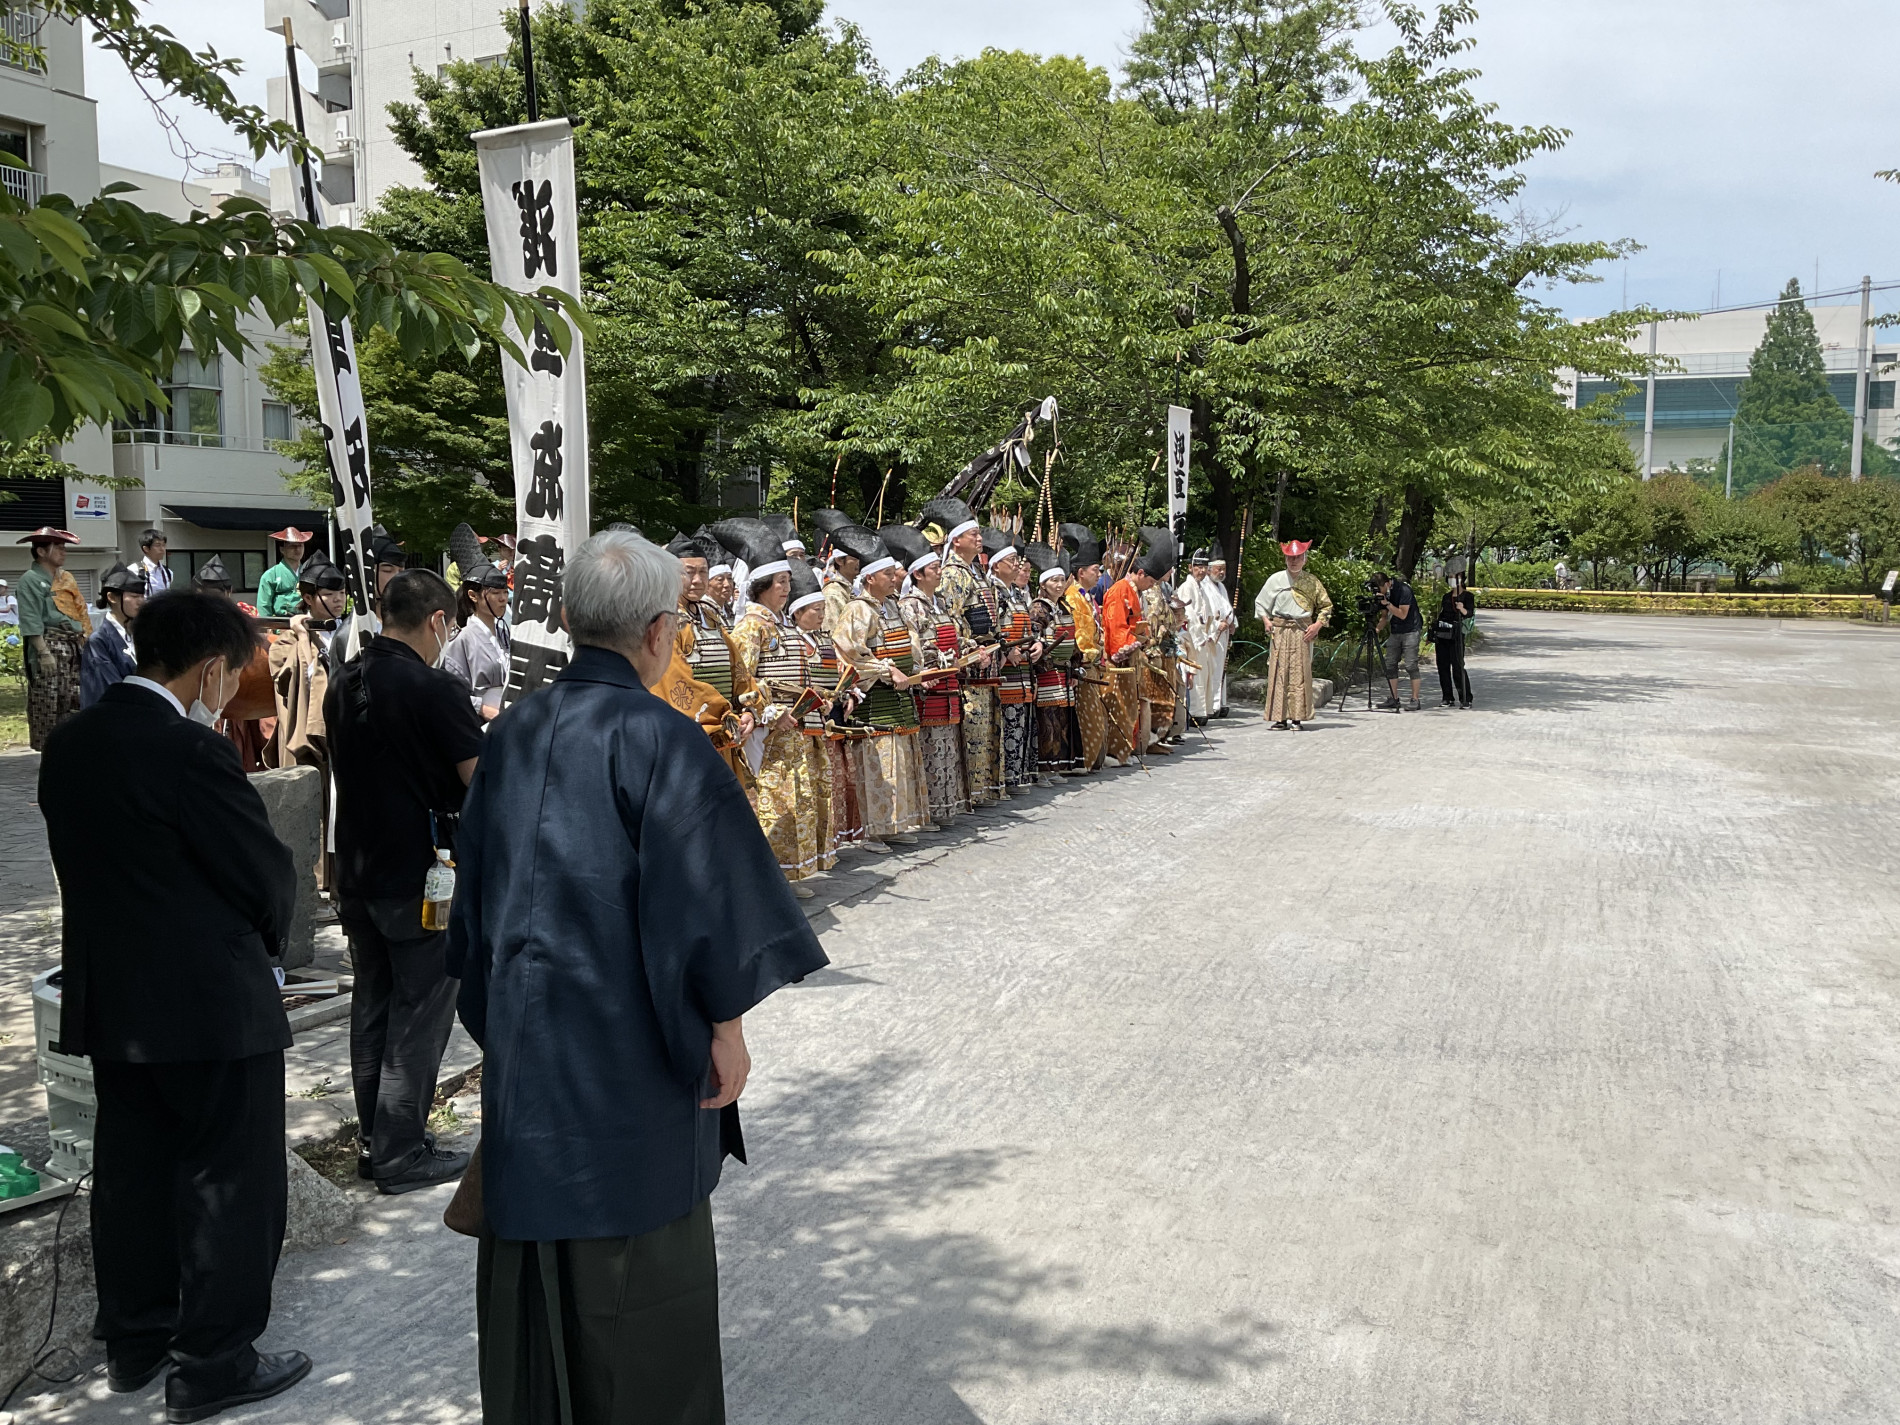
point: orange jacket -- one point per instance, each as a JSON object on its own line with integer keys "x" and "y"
{"x": 1121, "y": 613}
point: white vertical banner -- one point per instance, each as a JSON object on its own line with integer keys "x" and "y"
{"x": 527, "y": 174}
{"x": 346, "y": 443}
{"x": 345, "y": 431}
{"x": 1180, "y": 433}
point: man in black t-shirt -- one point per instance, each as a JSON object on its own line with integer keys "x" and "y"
{"x": 1403, "y": 627}
{"x": 403, "y": 745}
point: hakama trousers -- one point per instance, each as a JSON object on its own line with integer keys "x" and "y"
{"x": 50, "y": 701}
{"x": 890, "y": 777}
{"x": 1289, "y": 673}
{"x": 983, "y": 743}
{"x": 611, "y": 1331}
{"x": 1019, "y": 744}
{"x": 1091, "y": 718}
{"x": 946, "y": 773}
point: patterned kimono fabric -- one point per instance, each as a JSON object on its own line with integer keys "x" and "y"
{"x": 791, "y": 800}
{"x": 982, "y": 706}
{"x": 940, "y": 742}
{"x": 845, "y": 824}
{"x": 1290, "y": 673}
{"x": 711, "y": 661}
{"x": 50, "y": 701}
{"x": 891, "y": 793}
{"x": 1091, "y": 710}
{"x": 1018, "y": 694}
{"x": 1056, "y": 735}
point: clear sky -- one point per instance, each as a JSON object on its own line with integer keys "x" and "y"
{"x": 1737, "y": 137}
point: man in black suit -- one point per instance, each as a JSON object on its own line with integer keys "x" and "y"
{"x": 179, "y": 1011}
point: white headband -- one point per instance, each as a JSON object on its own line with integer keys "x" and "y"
{"x": 876, "y": 566}
{"x": 766, "y": 571}
{"x": 924, "y": 563}
{"x": 1007, "y": 552}
{"x": 1054, "y": 571}
{"x": 798, "y": 604}
{"x": 717, "y": 570}
{"x": 792, "y": 544}
{"x": 963, "y": 528}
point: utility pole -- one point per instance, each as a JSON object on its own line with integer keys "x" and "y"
{"x": 1649, "y": 408}
{"x": 1860, "y": 376}
{"x": 1728, "y": 485}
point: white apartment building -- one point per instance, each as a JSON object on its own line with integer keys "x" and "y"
{"x": 364, "y": 55}
{"x": 211, "y": 480}
{"x": 1695, "y": 402}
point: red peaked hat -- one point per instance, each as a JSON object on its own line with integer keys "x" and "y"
{"x": 1292, "y": 547}
{"x": 46, "y": 534}
{"x": 290, "y": 534}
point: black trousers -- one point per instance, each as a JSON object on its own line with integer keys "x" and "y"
{"x": 1453, "y": 681}
{"x": 612, "y": 1331}
{"x": 188, "y": 1202}
{"x": 401, "y": 1012}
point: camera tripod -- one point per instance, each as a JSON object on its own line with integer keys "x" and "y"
{"x": 1371, "y": 651}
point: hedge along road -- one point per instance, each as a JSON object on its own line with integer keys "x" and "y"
{"x": 1532, "y": 1064}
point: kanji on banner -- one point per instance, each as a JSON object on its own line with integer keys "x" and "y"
{"x": 1180, "y": 432}
{"x": 527, "y": 175}
{"x": 345, "y": 434}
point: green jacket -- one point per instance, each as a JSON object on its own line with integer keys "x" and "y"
{"x": 37, "y": 610}
{"x": 277, "y": 595}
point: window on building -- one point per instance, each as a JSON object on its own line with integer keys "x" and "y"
{"x": 28, "y": 503}
{"x": 245, "y": 566}
{"x": 196, "y": 416}
{"x": 276, "y": 421}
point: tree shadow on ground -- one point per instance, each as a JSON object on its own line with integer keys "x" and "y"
{"x": 846, "y": 1302}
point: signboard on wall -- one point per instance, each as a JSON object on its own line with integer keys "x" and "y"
{"x": 87, "y": 506}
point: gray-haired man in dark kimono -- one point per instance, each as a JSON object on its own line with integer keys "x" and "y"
{"x": 618, "y": 911}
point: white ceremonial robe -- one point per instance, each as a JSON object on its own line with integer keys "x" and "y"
{"x": 1207, "y": 635}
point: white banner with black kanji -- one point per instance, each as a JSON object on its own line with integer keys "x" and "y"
{"x": 345, "y": 437}
{"x": 1180, "y": 436}
{"x": 527, "y": 175}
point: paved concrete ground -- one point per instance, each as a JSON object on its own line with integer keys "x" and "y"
{"x": 1533, "y": 1064}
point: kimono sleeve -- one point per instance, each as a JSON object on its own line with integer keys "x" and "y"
{"x": 719, "y": 927}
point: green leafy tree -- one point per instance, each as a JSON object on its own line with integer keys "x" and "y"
{"x": 715, "y": 165}
{"x": 1786, "y": 417}
{"x": 1805, "y": 498}
{"x": 441, "y": 452}
{"x": 97, "y": 299}
{"x": 1865, "y": 527}
{"x": 1677, "y": 517}
{"x": 1607, "y": 525}
{"x": 1750, "y": 536}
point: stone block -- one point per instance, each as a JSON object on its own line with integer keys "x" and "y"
{"x": 293, "y": 798}
{"x": 320, "y": 1211}
{"x": 26, "y": 1285}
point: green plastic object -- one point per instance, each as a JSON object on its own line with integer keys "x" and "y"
{"x": 16, "y": 1178}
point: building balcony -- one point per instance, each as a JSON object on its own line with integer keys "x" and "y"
{"x": 22, "y": 183}
{"x": 19, "y": 34}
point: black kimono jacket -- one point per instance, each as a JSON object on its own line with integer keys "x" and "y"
{"x": 615, "y": 899}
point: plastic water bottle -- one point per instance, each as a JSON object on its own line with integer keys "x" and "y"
{"x": 438, "y": 889}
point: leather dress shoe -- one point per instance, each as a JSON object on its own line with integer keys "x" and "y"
{"x": 137, "y": 1372}
{"x": 274, "y": 1373}
{"x": 436, "y": 1165}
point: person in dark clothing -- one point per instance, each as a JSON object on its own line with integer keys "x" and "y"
{"x": 1400, "y": 618}
{"x": 107, "y": 657}
{"x": 403, "y": 744}
{"x": 1448, "y": 637}
{"x": 619, "y": 912}
{"x": 179, "y": 1012}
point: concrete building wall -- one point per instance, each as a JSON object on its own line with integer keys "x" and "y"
{"x": 1695, "y": 402}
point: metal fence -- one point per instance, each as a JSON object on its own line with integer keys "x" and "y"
{"x": 22, "y": 183}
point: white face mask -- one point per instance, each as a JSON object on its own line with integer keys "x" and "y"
{"x": 441, "y": 643}
{"x": 198, "y": 712}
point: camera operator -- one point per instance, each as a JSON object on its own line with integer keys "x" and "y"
{"x": 1400, "y": 620}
